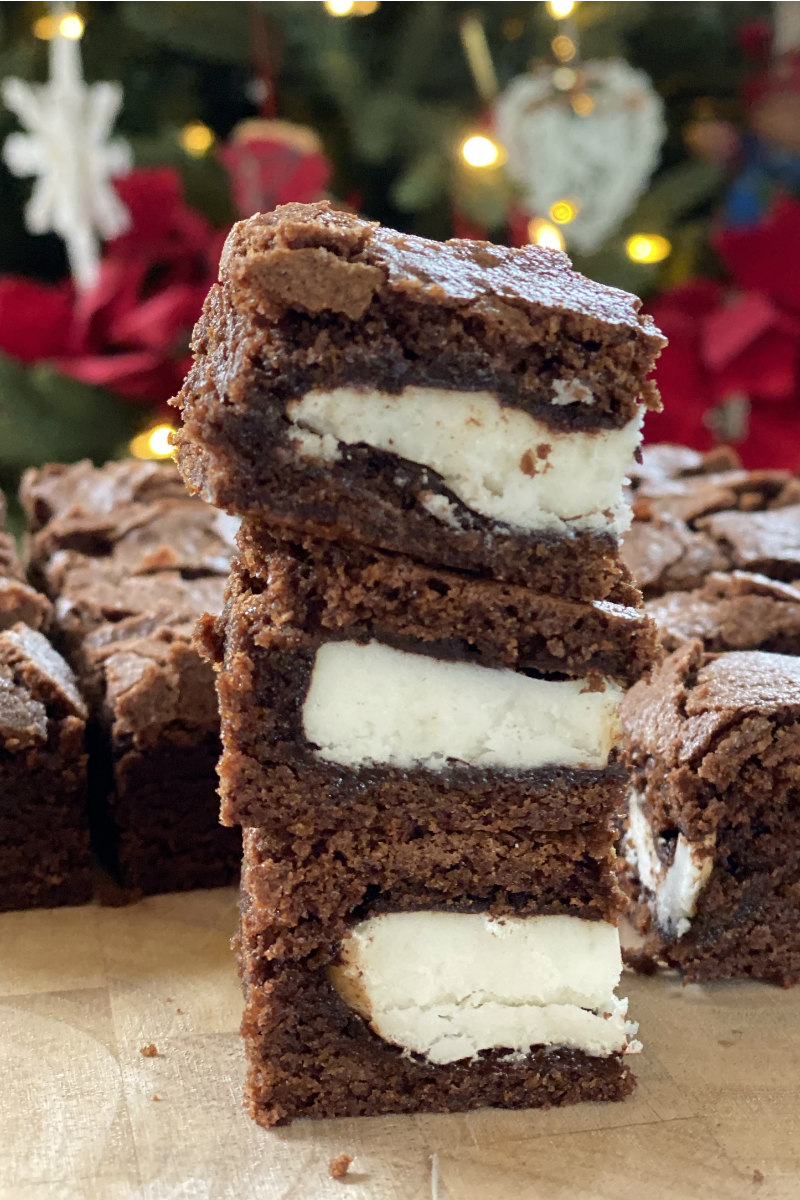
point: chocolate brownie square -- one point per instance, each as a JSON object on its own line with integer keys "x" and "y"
{"x": 44, "y": 828}
{"x": 468, "y": 405}
{"x": 736, "y": 611}
{"x": 369, "y": 685}
{"x": 713, "y": 838}
{"x": 131, "y": 563}
{"x": 437, "y": 974}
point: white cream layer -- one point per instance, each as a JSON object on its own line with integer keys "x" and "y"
{"x": 674, "y": 889}
{"x": 448, "y": 985}
{"x": 499, "y": 461}
{"x": 374, "y": 704}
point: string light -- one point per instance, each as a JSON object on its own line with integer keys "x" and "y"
{"x": 564, "y": 78}
{"x": 45, "y": 28}
{"x": 559, "y": 9}
{"x": 647, "y": 248}
{"x": 71, "y": 26}
{"x": 197, "y": 139}
{"x": 154, "y": 443}
{"x": 480, "y": 151}
{"x": 582, "y": 104}
{"x": 563, "y": 47}
{"x": 564, "y": 211}
{"x": 542, "y": 233}
{"x": 351, "y": 8}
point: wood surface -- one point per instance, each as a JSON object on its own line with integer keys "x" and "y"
{"x": 716, "y": 1113}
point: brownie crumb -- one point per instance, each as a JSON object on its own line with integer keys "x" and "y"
{"x": 758, "y": 1178}
{"x": 149, "y": 1051}
{"x": 640, "y": 961}
{"x": 339, "y": 1166}
{"x": 156, "y": 1097}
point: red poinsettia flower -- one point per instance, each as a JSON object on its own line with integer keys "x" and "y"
{"x": 732, "y": 369}
{"x": 130, "y": 333}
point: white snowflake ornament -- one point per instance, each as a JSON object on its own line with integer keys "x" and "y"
{"x": 594, "y": 144}
{"x": 67, "y": 146}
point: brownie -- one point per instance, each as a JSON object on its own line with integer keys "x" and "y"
{"x": 271, "y": 632}
{"x": 44, "y": 830}
{"x": 311, "y": 1054}
{"x": 736, "y": 611}
{"x": 18, "y": 600}
{"x": 499, "y": 348}
{"x": 687, "y": 527}
{"x": 713, "y": 743}
{"x": 130, "y": 564}
{"x": 663, "y": 461}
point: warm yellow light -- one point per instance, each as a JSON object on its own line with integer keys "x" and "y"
{"x": 563, "y": 47}
{"x": 480, "y": 151}
{"x": 340, "y": 8}
{"x": 45, "y": 28}
{"x": 71, "y": 26}
{"x": 365, "y": 8}
{"x": 564, "y": 78}
{"x": 560, "y": 8}
{"x": 647, "y": 248}
{"x": 154, "y": 443}
{"x": 564, "y": 211}
{"x": 513, "y": 28}
{"x": 197, "y": 139}
{"x": 582, "y": 104}
{"x": 542, "y": 233}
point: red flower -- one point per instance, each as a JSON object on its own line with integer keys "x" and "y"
{"x": 130, "y": 333}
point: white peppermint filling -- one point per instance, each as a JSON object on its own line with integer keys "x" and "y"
{"x": 675, "y": 889}
{"x": 374, "y": 704}
{"x": 448, "y": 985}
{"x": 499, "y": 461}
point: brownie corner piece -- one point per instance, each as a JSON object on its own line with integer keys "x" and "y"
{"x": 713, "y": 839}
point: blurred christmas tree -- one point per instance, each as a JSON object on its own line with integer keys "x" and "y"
{"x": 401, "y": 110}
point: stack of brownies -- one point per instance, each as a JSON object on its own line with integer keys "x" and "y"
{"x": 130, "y": 562}
{"x": 44, "y": 832}
{"x": 426, "y": 638}
{"x": 713, "y": 740}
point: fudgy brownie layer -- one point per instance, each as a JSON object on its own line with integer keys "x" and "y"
{"x": 744, "y": 928}
{"x": 310, "y": 1055}
{"x": 44, "y": 829}
{"x": 685, "y": 528}
{"x": 271, "y": 776}
{"x": 358, "y": 592}
{"x": 739, "y": 611}
{"x": 300, "y": 895}
{"x": 464, "y": 316}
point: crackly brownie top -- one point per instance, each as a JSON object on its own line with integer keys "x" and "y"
{"x": 35, "y": 684}
{"x": 662, "y": 461}
{"x": 82, "y": 489}
{"x": 18, "y": 601}
{"x": 316, "y": 258}
{"x": 693, "y": 700}
{"x": 737, "y": 611}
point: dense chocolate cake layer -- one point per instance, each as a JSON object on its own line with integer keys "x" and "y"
{"x": 44, "y": 830}
{"x": 130, "y": 565}
{"x": 317, "y": 307}
{"x": 309, "y": 1055}
{"x": 355, "y": 591}
{"x": 714, "y": 827}
{"x": 739, "y": 611}
{"x": 272, "y": 775}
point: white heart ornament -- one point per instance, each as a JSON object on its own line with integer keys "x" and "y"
{"x": 602, "y": 160}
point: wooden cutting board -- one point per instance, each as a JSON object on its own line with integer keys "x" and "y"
{"x": 716, "y": 1113}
